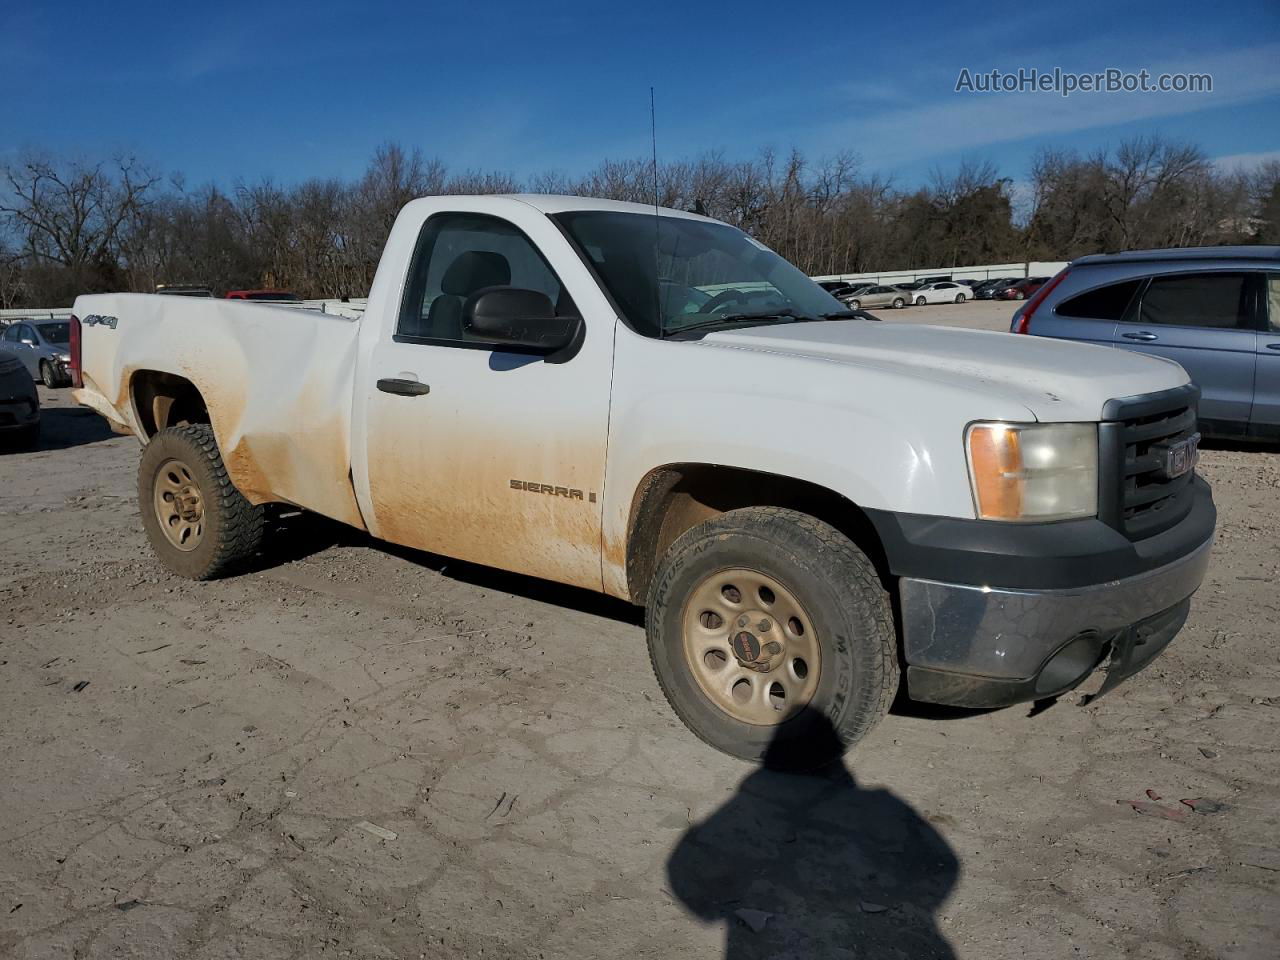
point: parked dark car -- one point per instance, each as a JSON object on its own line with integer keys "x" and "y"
{"x": 1022, "y": 289}
{"x": 988, "y": 289}
{"x": 19, "y": 403}
{"x": 1214, "y": 310}
{"x": 184, "y": 289}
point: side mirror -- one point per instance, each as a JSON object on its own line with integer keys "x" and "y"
{"x": 521, "y": 318}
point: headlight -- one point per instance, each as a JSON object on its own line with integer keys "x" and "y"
{"x": 1033, "y": 471}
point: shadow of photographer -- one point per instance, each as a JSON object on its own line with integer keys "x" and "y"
{"x": 815, "y": 865}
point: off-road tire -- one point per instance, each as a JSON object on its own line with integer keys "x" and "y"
{"x": 850, "y": 610}
{"x": 232, "y": 525}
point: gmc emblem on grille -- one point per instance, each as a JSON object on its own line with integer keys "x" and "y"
{"x": 1178, "y": 457}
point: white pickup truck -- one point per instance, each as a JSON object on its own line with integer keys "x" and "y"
{"x": 652, "y": 404}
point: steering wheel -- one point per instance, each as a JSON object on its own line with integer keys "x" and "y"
{"x": 722, "y": 298}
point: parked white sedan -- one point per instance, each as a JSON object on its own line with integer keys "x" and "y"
{"x": 944, "y": 291}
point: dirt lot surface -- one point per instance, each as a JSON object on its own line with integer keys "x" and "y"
{"x": 359, "y": 751}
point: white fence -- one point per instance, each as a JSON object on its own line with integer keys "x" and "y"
{"x": 987, "y": 271}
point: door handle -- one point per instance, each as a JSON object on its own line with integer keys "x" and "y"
{"x": 1141, "y": 335}
{"x": 405, "y": 388}
{"x": 1273, "y": 346}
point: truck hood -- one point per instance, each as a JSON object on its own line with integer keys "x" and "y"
{"x": 1056, "y": 380}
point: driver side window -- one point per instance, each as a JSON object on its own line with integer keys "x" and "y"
{"x": 458, "y": 255}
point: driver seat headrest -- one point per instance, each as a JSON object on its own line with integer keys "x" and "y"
{"x": 474, "y": 270}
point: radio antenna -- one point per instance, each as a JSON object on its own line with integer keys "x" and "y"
{"x": 653, "y": 140}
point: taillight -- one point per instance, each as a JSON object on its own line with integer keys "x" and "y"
{"x": 1023, "y": 323}
{"x": 77, "y": 379}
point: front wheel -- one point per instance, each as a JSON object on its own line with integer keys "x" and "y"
{"x": 772, "y": 637}
{"x": 199, "y": 524}
{"x": 1019, "y": 295}
{"x": 855, "y": 304}
{"x": 46, "y": 374}
{"x": 920, "y": 301}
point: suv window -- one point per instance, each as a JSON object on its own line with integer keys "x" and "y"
{"x": 458, "y": 254}
{"x": 1103, "y": 303}
{"x": 1273, "y": 301}
{"x": 1218, "y": 300}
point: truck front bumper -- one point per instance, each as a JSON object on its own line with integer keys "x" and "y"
{"x": 976, "y": 643}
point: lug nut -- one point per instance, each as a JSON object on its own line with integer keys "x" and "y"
{"x": 742, "y": 621}
{"x": 763, "y": 626}
{"x": 773, "y": 648}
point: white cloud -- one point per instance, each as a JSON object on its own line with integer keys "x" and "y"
{"x": 1244, "y": 161}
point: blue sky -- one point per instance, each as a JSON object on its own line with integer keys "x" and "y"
{"x": 294, "y": 90}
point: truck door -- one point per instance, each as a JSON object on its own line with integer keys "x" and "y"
{"x": 1206, "y": 322}
{"x": 496, "y": 456}
{"x": 1264, "y": 421}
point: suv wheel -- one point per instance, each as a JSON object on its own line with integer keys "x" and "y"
{"x": 767, "y": 627}
{"x": 199, "y": 524}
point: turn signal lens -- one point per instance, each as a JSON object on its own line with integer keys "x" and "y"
{"x": 1034, "y": 471}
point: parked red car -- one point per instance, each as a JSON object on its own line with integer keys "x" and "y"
{"x": 1022, "y": 289}
{"x": 263, "y": 295}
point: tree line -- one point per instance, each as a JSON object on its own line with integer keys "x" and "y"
{"x": 71, "y": 226}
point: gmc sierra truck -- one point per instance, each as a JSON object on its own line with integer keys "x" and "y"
{"x": 810, "y": 504}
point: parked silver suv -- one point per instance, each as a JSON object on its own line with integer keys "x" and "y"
{"x": 1214, "y": 310}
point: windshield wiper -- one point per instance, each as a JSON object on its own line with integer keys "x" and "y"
{"x": 786, "y": 313}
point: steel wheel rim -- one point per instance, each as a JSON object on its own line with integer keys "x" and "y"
{"x": 179, "y": 505}
{"x": 746, "y": 677}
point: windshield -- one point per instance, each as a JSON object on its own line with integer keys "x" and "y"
{"x": 55, "y": 332}
{"x": 668, "y": 274}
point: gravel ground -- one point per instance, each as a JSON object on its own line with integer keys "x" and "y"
{"x": 362, "y": 751}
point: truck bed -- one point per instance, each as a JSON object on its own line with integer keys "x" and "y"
{"x": 277, "y": 382}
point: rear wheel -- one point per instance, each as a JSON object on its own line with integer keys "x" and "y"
{"x": 920, "y": 301}
{"x": 1019, "y": 295}
{"x": 899, "y": 303}
{"x": 772, "y": 637}
{"x": 199, "y": 524}
{"x": 959, "y": 298}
